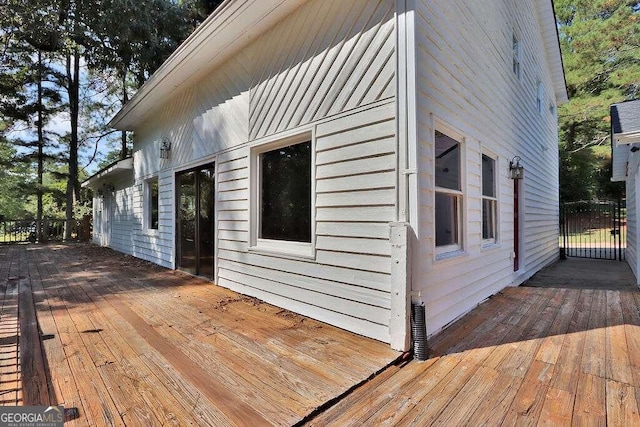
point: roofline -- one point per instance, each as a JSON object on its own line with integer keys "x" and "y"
{"x": 556, "y": 64}
{"x": 236, "y": 23}
{"x": 110, "y": 169}
{"x": 626, "y": 138}
{"x": 232, "y": 25}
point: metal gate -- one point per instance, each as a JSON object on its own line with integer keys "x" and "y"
{"x": 593, "y": 229}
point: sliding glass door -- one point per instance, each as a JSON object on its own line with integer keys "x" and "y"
{"x": 195, "y": 221}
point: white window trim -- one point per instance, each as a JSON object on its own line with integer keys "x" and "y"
{"x": 146, "y": 206}
{"x": 441, "y": 250}
{"x": 517, "y": 55}
{"x": 449, "y": 251}
{"x": 496, "y": 215}
{"x": 279, "y": 247}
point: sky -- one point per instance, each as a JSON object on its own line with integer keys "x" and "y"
{"x": 60, "y": 124}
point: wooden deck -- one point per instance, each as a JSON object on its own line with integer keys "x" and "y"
{"x": 528, "y": 356}
{"x": 118, "y": 341}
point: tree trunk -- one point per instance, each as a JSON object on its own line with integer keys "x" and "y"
{"x": 73, "y": 187}
{"x": 40, "y": 153}
{"x": 125, "y": 99}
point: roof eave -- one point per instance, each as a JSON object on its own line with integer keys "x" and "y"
{"x": 232, "y": 26}
{"x": 551, "y": 40}
{"x": 114, "y": 169}
{"x": 627, "y": 138}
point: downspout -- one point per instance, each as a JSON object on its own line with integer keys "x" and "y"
{"x": 403, "y": 232}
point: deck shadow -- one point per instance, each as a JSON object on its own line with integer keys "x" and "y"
{"x": 584, "y": 273}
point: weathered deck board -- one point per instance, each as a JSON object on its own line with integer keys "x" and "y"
{"x": 527, "y": 356}
{"x": 11, "y": 385}
{"x": 32, "y": 361}
{"x": 124, "y": 342}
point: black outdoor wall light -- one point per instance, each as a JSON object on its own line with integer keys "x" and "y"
{"x": 516, "y": 170}
{"x": 165, "y": 148}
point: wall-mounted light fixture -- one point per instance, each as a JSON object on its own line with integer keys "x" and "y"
{"x": 165, "y": 148}
{"x": 516, "y": 170}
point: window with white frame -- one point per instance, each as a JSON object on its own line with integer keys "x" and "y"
{"x": 516, "y": 56}
{"x": 284, "y": 194}
{"x": 448, "y": 193}
{"x": 152, "y": 203}
{"x": 489, "y": 200}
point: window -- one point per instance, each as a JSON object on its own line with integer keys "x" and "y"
{"x": 489, "y": 200}
{"x": 152, "y": 203}
{"x": 516, "y": 57}
{"x": 285, "y": 193}
{"x": 448, "y": 193}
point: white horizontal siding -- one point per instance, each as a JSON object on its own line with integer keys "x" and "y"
{"x": 112, "y": 213}
{"x": 156, "y": 246}
{"x": 122, "y": 220}
{"x": 348, "y": 282}
{"x": 479, "y": 96}
{"x": 329, "y": 66}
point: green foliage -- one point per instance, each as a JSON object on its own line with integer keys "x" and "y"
{"x": 13, "y": 179}
{"x": 121, "y": 41}
{"x": 137, "y": 45}
{"x": 601, "y": 52}
{"x": 111, "y": 157}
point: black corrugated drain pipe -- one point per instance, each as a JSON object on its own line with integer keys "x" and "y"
{"x": 419, "y": 332}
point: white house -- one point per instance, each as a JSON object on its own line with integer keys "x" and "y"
{"x": 342, "y": 158}
{"x": 625, "y": 144}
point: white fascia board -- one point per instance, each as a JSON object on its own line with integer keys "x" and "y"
{"x": 109, "y": 171}
{"x": 627, "y": 138}
{"x": 232, "y": 26}
{"x": 620, "y": 161}
{"x": 551, "y": 40}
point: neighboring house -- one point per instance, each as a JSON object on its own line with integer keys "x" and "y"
{"x": 340, "y": 158}
{"x": 625, "y": 144}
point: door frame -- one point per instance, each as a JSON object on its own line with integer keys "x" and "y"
{"x": 518, "y": 225}
{"x": 107, "y": 219}
{"x": 203, "y": 164}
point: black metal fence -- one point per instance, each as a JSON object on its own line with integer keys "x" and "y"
{"x": 52, "y": 230}
{"x": 594, "y": 229}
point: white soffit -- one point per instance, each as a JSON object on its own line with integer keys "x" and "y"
{"x": 232, "y": 26}
{"x": 111, "y": 170}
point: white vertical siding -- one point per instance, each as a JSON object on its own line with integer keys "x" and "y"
{"x": 465, "y": 78}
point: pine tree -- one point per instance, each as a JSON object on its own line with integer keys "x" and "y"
{"x": 54, "y": 52}
{"x": 600, "y": 44}
{"x": 28, "y": 103}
